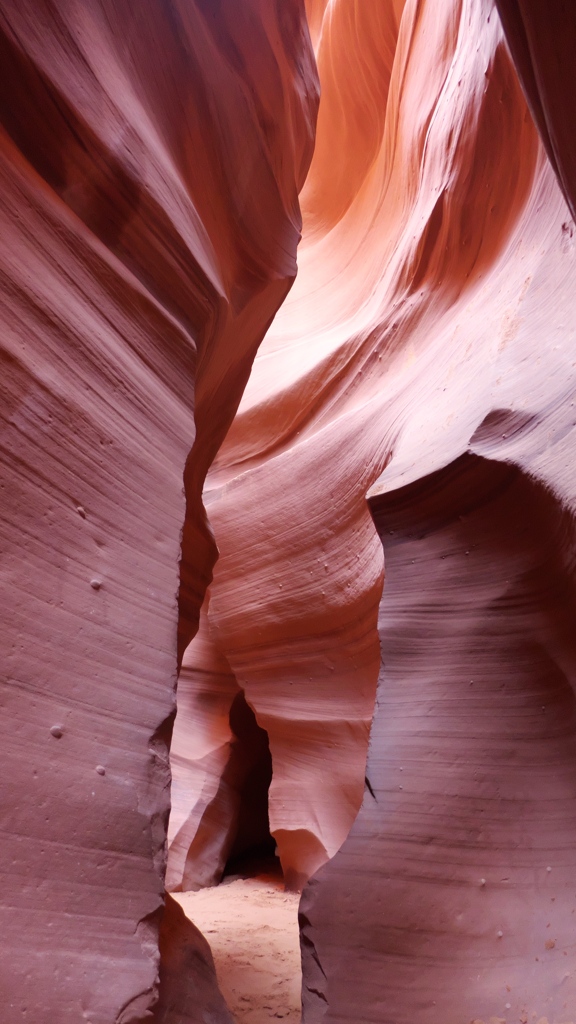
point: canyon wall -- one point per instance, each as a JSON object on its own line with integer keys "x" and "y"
{"x": 542, "y": 41}
{"x": 151, "y": 157}
{"x": 425, "y": 357}
{"x": 423, "y": 167}
{"x": 456, "y": 885}
{"x": 150, "y": 160}
{"x": 457, "y": 882}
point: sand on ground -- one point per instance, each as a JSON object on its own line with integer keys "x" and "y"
{"x": 252, "y": 927}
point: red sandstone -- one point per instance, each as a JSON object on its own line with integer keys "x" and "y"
{"x": 151, "y": 160}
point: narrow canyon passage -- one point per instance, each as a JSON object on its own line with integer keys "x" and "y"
{"x": 288, "y": 389}
{"x": 251, "y": 925}
{"x": 232, "y": 882}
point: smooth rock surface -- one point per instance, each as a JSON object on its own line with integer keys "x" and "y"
{"x": 427, "y": 348}
{"x": 456, "y": 883}
{"x": 455, "y": 887}
{"x": 150, "y": 157}
{"x": 405, "y": 330}
{"x": 199, "y": 754}
{"x": 150, "y": 162}
{"x": 542, "y": 39}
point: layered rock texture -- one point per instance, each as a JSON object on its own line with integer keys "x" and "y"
{"x": 221, "y": 771}
{"x": 464, "y": 855}
{"x": 150, "y": 159}
{"x": 151, "y": 156}
{"x": 425, "y": 357}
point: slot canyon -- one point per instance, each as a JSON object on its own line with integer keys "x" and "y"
{"x": 288, "y": 478}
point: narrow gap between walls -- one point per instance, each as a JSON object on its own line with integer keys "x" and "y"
{"x": 242, "y": 908}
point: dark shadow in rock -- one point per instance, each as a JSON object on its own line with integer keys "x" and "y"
{"x": 189, "y": 991}
{"x": 235, "y": 824}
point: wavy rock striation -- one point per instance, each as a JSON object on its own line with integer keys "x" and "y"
{"x": 456, "y": 880}
{"x": 463, "y": 855}
{"x": 150, "y": 158}
{"x": 425, "y": 356}
{"x": 221, "y": 770}
{"x": 375, "y": 355}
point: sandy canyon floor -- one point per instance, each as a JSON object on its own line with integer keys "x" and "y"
{"x": 252, "y": 927}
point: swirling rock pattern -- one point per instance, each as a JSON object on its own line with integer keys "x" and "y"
{"x": 464, "y": 852}
{"x": 150, "y": 160}
{"x": 425, "y": 356}
{"x": 199, "y": 753}
{"x": 150, "y": 157}
{"x": 456, "y": 883}
{"x": 220, "y": 770}
{"x": 381, "y": 355}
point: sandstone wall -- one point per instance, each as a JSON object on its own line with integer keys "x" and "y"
{"x": 150, "y": 157}
{"x": 425, "y": 357}
{"x": 455, "y": 887}
{"x": 381, "y": 356}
